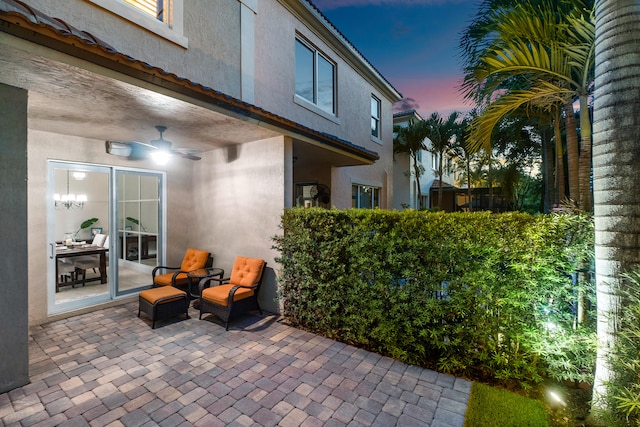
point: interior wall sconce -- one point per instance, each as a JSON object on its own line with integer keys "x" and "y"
{"x": 70, "y": 200}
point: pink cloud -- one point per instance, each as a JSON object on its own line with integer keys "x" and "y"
{"x": 433, "y": 95}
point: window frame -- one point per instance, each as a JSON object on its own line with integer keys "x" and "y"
{"x": 376, "y": 134}
{"x": 314, "y": 104}
{"x": 170, "y": 29}
{"x": 356, "y": 196}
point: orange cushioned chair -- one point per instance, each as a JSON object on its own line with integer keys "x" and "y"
{"x": 194, "y": 259}
{"x": 236, "y": 294}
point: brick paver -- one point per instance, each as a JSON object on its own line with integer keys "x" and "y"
{"x": 109, "y": 367}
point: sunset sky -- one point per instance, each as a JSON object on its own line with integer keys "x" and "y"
{"x": 413, "y": 43}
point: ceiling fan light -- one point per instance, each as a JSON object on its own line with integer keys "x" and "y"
{"x": 161, "y": 157}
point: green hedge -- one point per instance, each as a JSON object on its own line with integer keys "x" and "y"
{"x": 489, "y": 296}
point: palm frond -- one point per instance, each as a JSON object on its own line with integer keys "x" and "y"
{"x": 481, "y": 127}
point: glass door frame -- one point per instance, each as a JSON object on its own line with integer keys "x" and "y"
{"x": 52, "y": 306}
{"x": 112, "y": 269}
{"x": 162, "y": 226}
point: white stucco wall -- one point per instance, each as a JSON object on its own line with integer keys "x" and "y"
{"x": 212, "y": 28}
{"x": 403, "y": 184}
{"x": 239, "y": 198}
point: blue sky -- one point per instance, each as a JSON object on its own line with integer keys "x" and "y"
{"x": 413, "y": 43}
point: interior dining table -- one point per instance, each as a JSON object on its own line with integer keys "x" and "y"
{"x": 81, "y": 249}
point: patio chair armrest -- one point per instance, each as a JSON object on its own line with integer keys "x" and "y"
{"x": 164, "y": 267}
{"x": 233, "y": 290}
{"x": 175, "y": 275}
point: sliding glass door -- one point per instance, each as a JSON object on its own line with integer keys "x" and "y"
{"x": 79, "y": 209}
{"x": 139, "y": 223}
{"x": 105, "y": 232}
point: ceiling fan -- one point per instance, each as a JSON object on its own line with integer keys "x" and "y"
{"x": 158, "y": 149}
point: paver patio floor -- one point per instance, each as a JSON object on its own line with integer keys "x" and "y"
{"x": 109, "y": 368}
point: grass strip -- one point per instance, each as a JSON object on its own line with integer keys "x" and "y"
{"x": 491, "y": 407}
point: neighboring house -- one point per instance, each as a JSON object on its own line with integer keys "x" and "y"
{"x": 405, "y": 191}
{"x": 277, "y": 100}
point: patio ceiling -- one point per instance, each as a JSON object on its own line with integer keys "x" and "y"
{"x": 69, "y": 100}
{"x": 89, "y": 90}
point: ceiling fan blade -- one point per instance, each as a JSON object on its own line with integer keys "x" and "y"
{"x": 136, "y": 150}
{"x": 142, "y": 144}
{"x": 132, "y": 150}
{"x": 188, "y": 150}
{"x": 185, "y": 155}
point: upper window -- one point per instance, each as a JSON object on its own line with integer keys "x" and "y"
{"x": 315, "y": 77}
{"x": 161, "y": 17}
{"x": 375, "y": 117}
{"x": 365, "y": 196}
{"x": 154, "y": 8}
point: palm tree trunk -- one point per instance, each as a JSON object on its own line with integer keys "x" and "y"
{"x": 469, "y": 183}
{"x": 573, "y": 155}
{"x": 440, "y": 156}
{"x": 547, "y": 163}
{"x": 490, "y": 179}
{"x": 586, "y": 201}
{"x": 560, "y": 189}
{"x": 417, "y": 172}
{"x": 616, "y": 157}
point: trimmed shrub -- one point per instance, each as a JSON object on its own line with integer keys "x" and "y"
{"x": 489, "y": 296}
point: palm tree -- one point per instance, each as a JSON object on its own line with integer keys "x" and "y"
{"x": 442, "y": 135}
{"x": 538, "y": 53}
{"x": 462, "y": 154}
{"x": 410, "y": 140}
{"x": 616, "y": 179}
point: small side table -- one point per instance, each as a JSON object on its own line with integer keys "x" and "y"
{"x": 194, "y": 279}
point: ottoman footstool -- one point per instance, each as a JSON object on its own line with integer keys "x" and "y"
{"x": 162, "y": 303}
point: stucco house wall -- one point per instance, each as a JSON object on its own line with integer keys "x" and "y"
{"x": 210, "y": 56}
{"x": 239, "y": 196}
{"x": 275, "y": 89}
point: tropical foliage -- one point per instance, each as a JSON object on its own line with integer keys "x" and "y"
{"x": 530, "y": 58}
{"x": 624, "y": 397}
